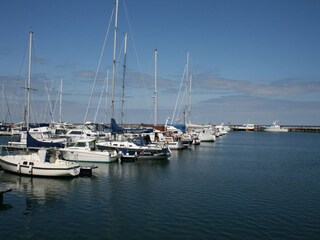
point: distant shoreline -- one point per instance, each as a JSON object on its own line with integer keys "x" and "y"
{"x": 313, "y": 129}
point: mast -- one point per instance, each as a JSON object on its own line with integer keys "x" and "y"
{"x": 124, "y": 74}
{"x": 189, "y": 108}
{"x": 60, "y": 107}
{"x": 155, "y": 94}
{"x": 3, "y": 99}
{"x": 188, "y": 88}
{"x": 114, "y": 56}
{"x": 107, "y": 86}
{"x": 29, "y": 80}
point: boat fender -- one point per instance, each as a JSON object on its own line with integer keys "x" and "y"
{"x": 18, "y": 167}
{"x": 75, "y": 170}
{"x": 30, "y": 168}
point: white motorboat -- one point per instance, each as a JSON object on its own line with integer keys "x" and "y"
{"x": 205, "y": 133}
{"x": 76, "y": 134}
{"x": 8, "y": 130}
{"x": 175, "y": 138}
{"x": 222, "y": 129}
{"x": 35, "y": 164}
{"x": 275, "y": 127}
{"x": 174, "y": 144}
{"x": 85, "y": 150}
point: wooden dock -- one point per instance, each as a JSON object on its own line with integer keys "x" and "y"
{"x": 86, "y": 171}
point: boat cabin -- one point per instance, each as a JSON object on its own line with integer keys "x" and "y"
{"x": 87, "y": 144}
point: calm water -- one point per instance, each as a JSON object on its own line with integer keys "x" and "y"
{"x": 244, "y": 186}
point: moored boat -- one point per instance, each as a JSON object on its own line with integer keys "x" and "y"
{"x": 136, "y": 148}
{"x": 275, "y": 127}
{"x": 245, "y": 127}
{"x": 38, "y": 164}
{"x": 85, "y": 150}
{"x": 37, "y": 138}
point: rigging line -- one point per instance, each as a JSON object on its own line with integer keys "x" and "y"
{"x": 189, "y": 86}
{"x": 102, "y": 91}
{"x": 190, "y": 98}
{"x": 135, "y": 51}
{"x": 181, "y": 105}
{"x": 56, "y": 101}
{"x": 178, "y": 97}
{"x": 49, "y": 104}
{"x": 149, "y": 74}
{"x": 106, "y": 100}
{"x": 118, "y": 60}
{"x": 98, "y": 67}
{"x": 8, "y": 106}
{"x": 38, "y": 79}
{"x": 51, "y": 98}
{"x": 120, "y": 52}
{"x": 23, "y": 78}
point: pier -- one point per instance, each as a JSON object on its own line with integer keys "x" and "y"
{"x": 310, "y": 129}
{"x": 86, "y": 171}
{"x": 304, "y": 129}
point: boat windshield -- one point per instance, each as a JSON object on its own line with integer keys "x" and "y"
{"x": 139, "y": 141}
{"x": 80, "y": 144}
{"x": 92, "y": 145}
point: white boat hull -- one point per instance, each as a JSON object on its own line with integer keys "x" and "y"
{"x": 275, "y": 127}
{"x": 270, "y": 129}
{"x": 130, "y": 150}
{"x": 30, "y": 165}
{"x": 207, "y": 137}
{"x": 177, "y": 145}
{"x": 79, "y": 155}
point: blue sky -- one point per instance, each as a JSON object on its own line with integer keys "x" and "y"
{"x": 250, "y": 60}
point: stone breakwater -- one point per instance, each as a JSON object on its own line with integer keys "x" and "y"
{"x": 311, "y": 129}
{"x": 304, "y": 129}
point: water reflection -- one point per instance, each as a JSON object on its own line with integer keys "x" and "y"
{"x": 38, "y": 191}
{"x": 128, "y": 169}
{"x": 4, "y": 206}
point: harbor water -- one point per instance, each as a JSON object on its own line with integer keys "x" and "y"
{"x": 246, "y": 185}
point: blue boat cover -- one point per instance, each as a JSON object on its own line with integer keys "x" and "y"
{"x": 115, "y": 128}
{"x": 32, "y": 142}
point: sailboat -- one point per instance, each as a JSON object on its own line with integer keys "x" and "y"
{"x": 135, "y": 143}
{"x": 38, "y": 163}
{"x": 198, "y": 132}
